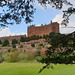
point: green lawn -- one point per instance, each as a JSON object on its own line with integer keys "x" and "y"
{"x": 33, "y": 68}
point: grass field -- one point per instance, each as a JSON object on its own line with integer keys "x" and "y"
{"x": 33, "y": 68}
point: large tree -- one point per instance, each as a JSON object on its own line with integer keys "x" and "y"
{"x": 14, "y": 11}
{"x": 62, "y": 50}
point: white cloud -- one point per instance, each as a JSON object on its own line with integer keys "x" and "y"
{"x": 6, "y": 32}
{"x": 38, "y": 25}
{"x": 68, "y": 28}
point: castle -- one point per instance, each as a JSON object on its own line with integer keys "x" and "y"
{"x": 36, "y": 30}
{"x": 43, "y": 29}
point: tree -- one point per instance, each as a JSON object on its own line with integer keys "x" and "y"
{"x": 62, "y": 50}
{"x": 14, "y": 41}
{"x": 40, "y": 37}
{"x": 0, "y": 42}
{"x": 5, "y": 43}
{"x": 14, "y": 46}
{"x": 43, "y": 36}
{"x": 18, "y": 9}
{"x": 33, "y": 45}
{"x": 22, "y": 39}
{"x": 37, "y": 37}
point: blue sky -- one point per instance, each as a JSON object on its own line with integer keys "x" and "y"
{"x": 41, "y": 16}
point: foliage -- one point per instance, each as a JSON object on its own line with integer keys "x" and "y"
{"x": 18, "y": 9}
{"x": 0, "y": 42}
{"x": 39, "y": 47}
{"x": 21, "y": 46}
{"x": 38, "y": 52}
{"x": 40, "y": 44}
{"x": 14, "y": 46}
{"x": 13, "y": 56}
{"x": 14, "y": 41}
{"x": 62, "y": 50}
{"x": 40, "y": 37}
{"x": 43, "y": 36}
{"x": 31, "y": 54}
{"x": 33, "y": 45}
{"x": 22, "y": 39}
{"x": 9, "y": 50}
{"x": 1, "y": 58}
{"x": 5, "y": 43}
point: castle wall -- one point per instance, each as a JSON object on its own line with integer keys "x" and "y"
{"x": 10, "y": 38}
{"x": 43, "y": 29}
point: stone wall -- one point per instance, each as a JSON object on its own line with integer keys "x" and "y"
{"x": 10, "y": 38}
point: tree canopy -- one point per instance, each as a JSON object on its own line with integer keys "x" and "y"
{"x": 62, "y": 50}
{"x": 5, "y": 43}
{"x": 17, "y": 10}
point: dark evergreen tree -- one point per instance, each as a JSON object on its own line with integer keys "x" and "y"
{"x": 5, "y": 43}
{"x": 14, "y": 41}
{"x": 22, "y": 39}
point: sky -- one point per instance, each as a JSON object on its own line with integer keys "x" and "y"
{"x": 41, "y": 16}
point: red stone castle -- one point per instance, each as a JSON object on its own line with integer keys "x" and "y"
{"x": 43, "y": 29}
{"x": 36, "y": 30}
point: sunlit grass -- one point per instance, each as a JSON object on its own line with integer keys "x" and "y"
{"x": 33, "y": 68}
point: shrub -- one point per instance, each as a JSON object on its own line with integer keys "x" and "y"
{"x": 33, "y": 45}
{"x": 9, "y": 50}
{"x": 22, "y": 39}
{"x": 38, "y": 52}
{"x": 14, "y": 41}
{"x": 13, "y": 56}
{"x": 0, "y": 42}
{"x": 40, "y": 44}
{"x": 5, "y": 43}
{"x": 1, "y": 58}
{"x": 14, "y": 46}
{"x": 39, "y": 47}
{"x": 31, "y": 54}
{"x": 21, "y": 46}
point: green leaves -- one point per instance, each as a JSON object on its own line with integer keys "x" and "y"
{"x": 62, "y": 50}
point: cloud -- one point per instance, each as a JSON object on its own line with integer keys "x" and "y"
{"x": 69, "y": 28}
{"x": 6, "y": 32}
{"x": 38, "y": 25}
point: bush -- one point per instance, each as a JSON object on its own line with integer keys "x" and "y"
{"x": 13, "y": 56}
{"x": 9, "y": 50}
{"x": 21, "y": 46}
{"x": 14, "y": 46}
{"x": 40, "y": 44}
{"x": 33, "y": 45}
{"x": 39, "y": 47}
{"x": 31, "y": 54}
{"x": 1, "y": 59}
{"x": 5, "y": 43}
{"x": 0, "y": 42}
{"x": 14, "y": 41}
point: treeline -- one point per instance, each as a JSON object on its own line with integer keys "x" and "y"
{"x": 34, "y": 37}
{"x": 22, "y": 39}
